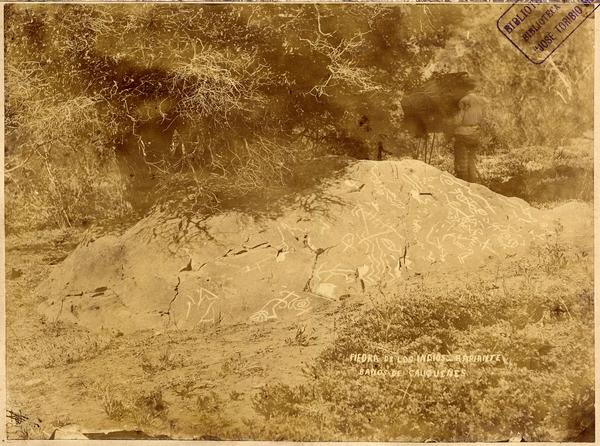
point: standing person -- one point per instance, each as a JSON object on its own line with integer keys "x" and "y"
{"x": 467, "y": 136}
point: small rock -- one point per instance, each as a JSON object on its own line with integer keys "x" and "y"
{"x": 33, "y": 382}
{"x": 69, "y": 432}
{"x": 14, "y": 273}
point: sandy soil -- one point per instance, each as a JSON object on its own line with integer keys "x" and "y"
{"x": 60, "y": 375}
{"x": 180, "y": 384}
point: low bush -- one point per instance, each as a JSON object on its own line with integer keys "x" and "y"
{"x": 542, "y": 173}
{"x": 540, "y": 388}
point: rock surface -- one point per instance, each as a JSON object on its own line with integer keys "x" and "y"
{"x": 377, "y": 222}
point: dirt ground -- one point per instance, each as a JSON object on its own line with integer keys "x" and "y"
{"x": 201, "y": 383}
{"x": 61, "y": 375}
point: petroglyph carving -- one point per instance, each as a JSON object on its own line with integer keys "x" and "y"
{"x": 203, "y": 302}
{"x": 324, "y": 274}
{"x": 290, "y": 301}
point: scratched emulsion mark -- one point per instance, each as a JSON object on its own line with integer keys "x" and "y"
{"x": 538, "y": 29}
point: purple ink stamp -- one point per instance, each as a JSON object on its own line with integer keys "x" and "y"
{"x": 537, "y": 29}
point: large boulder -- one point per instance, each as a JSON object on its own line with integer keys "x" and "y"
{"x": 376, "y": 222}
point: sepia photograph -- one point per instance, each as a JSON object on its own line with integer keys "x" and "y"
{"x": 299, "y": 221}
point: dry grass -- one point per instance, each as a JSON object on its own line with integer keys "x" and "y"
{"x": 537, "y": 312}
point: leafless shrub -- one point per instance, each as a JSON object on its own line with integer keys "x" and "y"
{"x": 301, "y": 337}
{"x": 231, "y": 173}
{"x": 216, "y": 84}
{"x": 343, "y": 70}
{"x": 59, "y": 166}
{"x": 112, "y": 405}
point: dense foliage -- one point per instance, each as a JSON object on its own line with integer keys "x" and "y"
{"x": 113, "y": 108}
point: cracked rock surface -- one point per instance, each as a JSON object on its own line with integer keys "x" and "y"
{"x": 379, "y": 222}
